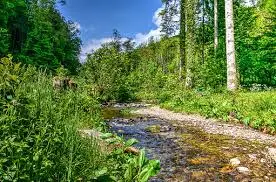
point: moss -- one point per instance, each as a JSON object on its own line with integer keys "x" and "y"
{"x": 219, "y": 146}
{"x": 154, "y": 129}
{"x": 109, "y": 113}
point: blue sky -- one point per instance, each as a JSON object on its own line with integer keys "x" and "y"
{"x": 96, "y": 19}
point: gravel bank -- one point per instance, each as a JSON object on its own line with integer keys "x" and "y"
{"x": 208, "y": 125}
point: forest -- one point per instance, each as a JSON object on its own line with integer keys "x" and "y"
{"x": 216, "y": 59}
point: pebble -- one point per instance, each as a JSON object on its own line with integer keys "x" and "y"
{"x": 243, "y": 170}
{"x": 226, "y": 148}
{"x": 121, "y": 131}
{"x": 235, "y": 162}
{"x": 252, "y": 156}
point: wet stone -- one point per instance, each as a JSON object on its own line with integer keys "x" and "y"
{"x": 272, "y": 154}
{"x": 235, "y": 162}
{"x": 243, "y": 170}
{"x": 252, "y": 156}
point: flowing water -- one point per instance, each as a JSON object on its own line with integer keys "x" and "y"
{"x": 189, "y": 154}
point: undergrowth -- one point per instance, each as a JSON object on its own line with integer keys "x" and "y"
{"x": 40, "y": 138}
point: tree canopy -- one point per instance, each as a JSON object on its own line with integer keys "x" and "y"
{"x": 35, "y": 32}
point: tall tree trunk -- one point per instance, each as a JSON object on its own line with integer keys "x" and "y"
{"x": 232, "y": 82}
{"x": 182, "y": 39}
{"x": 203, "y": 31}
{"x": 215, "y": 25}
{"x": 190, "y": 37}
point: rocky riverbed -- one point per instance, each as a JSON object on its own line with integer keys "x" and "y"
{"x": 187, "y": 151}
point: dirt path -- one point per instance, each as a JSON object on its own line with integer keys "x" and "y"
{"x": 211, "y": 126}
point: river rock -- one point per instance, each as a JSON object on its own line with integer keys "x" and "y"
{"x": 235, "y": 162}
{"x": 272, "y": 154}
{"x": 121, "y": 131}
{"x": 252, "y": 156}
{"x": 165, "y": 128}
{"x": 154, "y": 128}
{"x": 132, "y": 150}
{"x": 243, "y": 170}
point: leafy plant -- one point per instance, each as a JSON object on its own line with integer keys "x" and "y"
{"x": 141, "y": 169}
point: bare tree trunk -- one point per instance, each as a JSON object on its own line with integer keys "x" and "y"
{"x": 182, "y": 39}
{"x": 232, "y": 82}
{"x": 190, "y": 33}
{"x": 189, "y": 81}
{"x": 215, "y": 25}
{"x": 203, "y": 32}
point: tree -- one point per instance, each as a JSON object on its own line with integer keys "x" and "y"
{"x": 215, "y": 25}
{"x": 232, "y": 83}
{"x": 170, "y": 17}
{"x": 190, "y": 37}
{"x": 35, "y": 32}
{"x": 182, "y": 37}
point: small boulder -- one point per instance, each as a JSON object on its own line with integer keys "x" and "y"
{"x": 252, "y": 156}
{"x": 263, "y": 160}
{"x": 243, "y": 170}
{"x": 154, "y": 129}
{"x": 132, "y": 150}
{"x": 272, "y": 154}
{"x": 121, "y": 131}
{"x": 235, "y": 162}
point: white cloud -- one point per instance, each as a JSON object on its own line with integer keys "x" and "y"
{"x": 155, "y": 33}
{"x": 157, "y": 19}
{"x": 93, "y": 44}
{"x": 77, "y": 25}
{"x": 139, "y": 38}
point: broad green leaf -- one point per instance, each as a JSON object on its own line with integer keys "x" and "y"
{"x": 131, "y": 142}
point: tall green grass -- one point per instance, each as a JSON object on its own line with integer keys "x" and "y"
{"x": 40, "y": 137}
{"x": 39, "y": 129}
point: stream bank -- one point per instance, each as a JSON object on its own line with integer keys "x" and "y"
{"x": 186, "y": 151}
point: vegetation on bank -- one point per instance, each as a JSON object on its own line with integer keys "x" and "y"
{"x": 40, "y": 138}
{"x": 254, "y": 109}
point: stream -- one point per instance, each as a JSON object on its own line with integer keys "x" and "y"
{"x": 189, "y": 154}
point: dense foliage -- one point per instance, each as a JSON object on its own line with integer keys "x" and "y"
{"x": 40, "y": 133}
{"x": 35, "y": 32}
